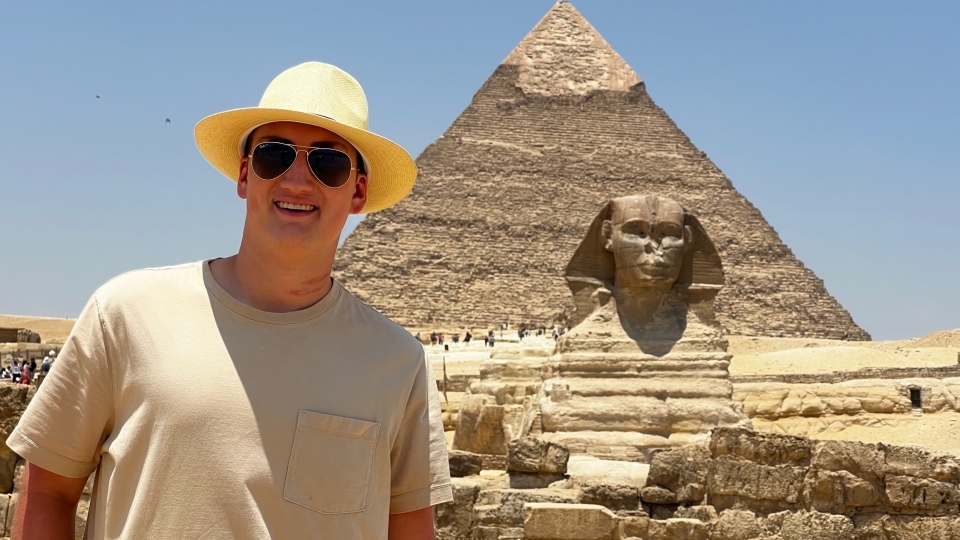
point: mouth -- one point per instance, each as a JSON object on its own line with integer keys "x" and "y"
{"x": 295, "y": 209}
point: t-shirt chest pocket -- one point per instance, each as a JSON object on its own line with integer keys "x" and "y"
{"x": 330, "y": 463}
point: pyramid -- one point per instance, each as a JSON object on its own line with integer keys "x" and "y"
{"x": 506, "y": 193}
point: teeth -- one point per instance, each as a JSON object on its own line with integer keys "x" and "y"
{"x": 291, "y": 206}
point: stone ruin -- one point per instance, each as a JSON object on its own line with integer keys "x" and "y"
{"x": 645, "y": 368}
{"x": 737, "y": 485}
{"x": 628, "y": 429}
{"x": 504, "y": 195}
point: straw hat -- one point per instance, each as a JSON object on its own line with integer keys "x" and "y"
{"x": 319, "y": 95}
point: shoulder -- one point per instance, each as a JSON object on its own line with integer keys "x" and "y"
{"x": 375, "y": 325}
{"x": 147, "y": 285}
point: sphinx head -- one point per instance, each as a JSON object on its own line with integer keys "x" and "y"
{"x": 642, "y": 246}
{"x": 648, "y": 239}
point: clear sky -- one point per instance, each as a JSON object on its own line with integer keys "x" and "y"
{"x": 838, "y": 120}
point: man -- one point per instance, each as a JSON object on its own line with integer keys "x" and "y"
{"x": 344, "y": 442}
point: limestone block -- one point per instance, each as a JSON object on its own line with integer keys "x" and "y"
{"x": 590, "y": 470}
{"x": 835, "y": 491}
{"x": 730, "y": 476}
{"x": 634, "y": 526}
{"x": 675, "y": 528}
{"x": 640, "y": 414}
{"x": 735, "y": 524}
{"x": 764, "y": 448}
{"x": 909, "y": 493}
{"x": 886, "y": 526}
{"x": 454, "y": 520}
{"x": 533, "y": 455}
{"x": 805, "y": 525}
{"x": 551, "y": 521}
{"x": 464, "y": 463}
{"x": 14, "y": 399}
{"x": 612, "y": 495}
{"x": 11, "y": 510}
{"x": 675, "y": 468}
{"x": 480, "y": 426}
{"x": 861, "y": 459}
{"x": 703, "y": 512}
{"x": 915, "y": 461}
{"x": 506, "y": 505}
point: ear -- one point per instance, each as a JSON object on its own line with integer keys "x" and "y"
{"x": 687, "y": 236}
{"x": 701, "y": 261}
{"x": 607, "y": 233}
{"x": 359, "y": 199}
{"x": 242, "y": 179}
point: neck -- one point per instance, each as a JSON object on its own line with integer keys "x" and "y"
{"x": 268, "y": 280}
{"x": 639, "y": 305}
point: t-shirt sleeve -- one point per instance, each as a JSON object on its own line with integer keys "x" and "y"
{"x": 420, "y": 471}
{"x": 68, "y": 419}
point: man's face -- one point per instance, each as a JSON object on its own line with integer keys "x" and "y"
{"x": 647, "y": 238}
{"x": 320, "y": 211}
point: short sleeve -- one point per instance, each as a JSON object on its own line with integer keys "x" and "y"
{"x": 69, "y": 417}
{"x": 420, "y": 471}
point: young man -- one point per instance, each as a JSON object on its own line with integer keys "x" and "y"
{"x": 342, "y": 440}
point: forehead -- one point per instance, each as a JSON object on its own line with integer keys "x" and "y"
{"x": 296, "y": 133}
{"x": 650, "y": 209}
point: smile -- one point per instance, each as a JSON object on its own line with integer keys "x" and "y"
{"x": 295, "y": 207}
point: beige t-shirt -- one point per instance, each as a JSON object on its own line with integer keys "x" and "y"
{"x": 211, "y": 419}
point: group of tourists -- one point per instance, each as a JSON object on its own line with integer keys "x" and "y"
{"x": 25, "y": 371}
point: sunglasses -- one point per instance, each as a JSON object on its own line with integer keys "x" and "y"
{"x": 330, "y": 167}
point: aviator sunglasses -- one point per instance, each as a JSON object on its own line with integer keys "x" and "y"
{"x": 331, "y": 167}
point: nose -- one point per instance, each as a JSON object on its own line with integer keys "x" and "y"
{"x": 298, "y": 178}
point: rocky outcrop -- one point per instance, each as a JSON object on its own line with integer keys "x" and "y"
{"x": 743, "y": 485}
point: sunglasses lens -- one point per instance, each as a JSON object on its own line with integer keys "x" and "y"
{"x": 332, "y": 167}
{"x": 270, "y": 159}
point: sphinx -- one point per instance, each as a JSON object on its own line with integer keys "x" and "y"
{"x": 645, "y": 365}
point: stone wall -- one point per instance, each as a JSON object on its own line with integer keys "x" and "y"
{"x": 741, "y": 485}
{"x": 506, "y": 193}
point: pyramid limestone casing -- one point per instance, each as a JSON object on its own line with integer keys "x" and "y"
{"x": 506, "y": 193}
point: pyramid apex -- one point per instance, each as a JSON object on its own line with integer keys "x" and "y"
{"x": 564, "y": 54}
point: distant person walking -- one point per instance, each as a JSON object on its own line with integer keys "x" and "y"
{"x": 15, "y": 370}
{"x": 467, "y": 337}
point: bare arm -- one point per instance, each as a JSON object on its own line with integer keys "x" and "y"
{"x": 416, "y": 525}
{"x": 47, "y": 506}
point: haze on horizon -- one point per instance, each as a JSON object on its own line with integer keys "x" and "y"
{"x": 839, "y": 122}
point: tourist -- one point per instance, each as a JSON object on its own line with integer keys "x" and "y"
{"x": 456, "y": 338}
{"x": 4, "y": 373}
{"x": 345, "y": 442}
{"x": 433, "y": 338}
{"x": 467, "y": 337}
{"x": 16, "y": 371}
{"x": 440, "y": 338}
{"x": 25, "y": 374}
{"x": 490, "y": 338}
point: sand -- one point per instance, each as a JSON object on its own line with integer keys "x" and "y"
{"x": 51, "y": 330}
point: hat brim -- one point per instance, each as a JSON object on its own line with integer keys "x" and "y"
{"x": 391, "y": 172}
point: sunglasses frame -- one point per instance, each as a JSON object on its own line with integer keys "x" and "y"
{"x": 298, "y": 148}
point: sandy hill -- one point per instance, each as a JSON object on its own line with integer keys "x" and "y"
{"x": 51, "y": 330}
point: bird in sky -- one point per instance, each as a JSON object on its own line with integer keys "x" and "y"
{"x": 168, "y": 120}
{"x": 98, "y": 97}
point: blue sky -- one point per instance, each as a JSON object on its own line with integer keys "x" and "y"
{"x": 839, "y": 121}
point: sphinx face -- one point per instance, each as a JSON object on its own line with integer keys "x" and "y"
{"x": 647, "y": 238}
